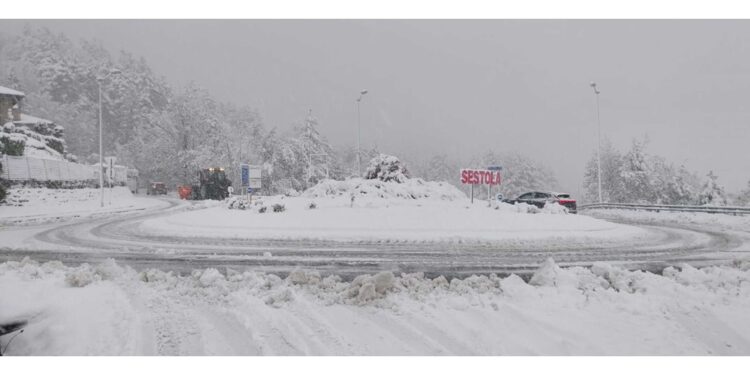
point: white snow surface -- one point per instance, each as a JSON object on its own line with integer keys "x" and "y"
{"x": 722, "y": 221}
{"x": 335, "y": 217}
{"x": 107, "y": 309}
{"x": 41, "y": 205}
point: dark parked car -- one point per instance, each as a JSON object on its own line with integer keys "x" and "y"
{"x": 539, "y": 199}
{"x": 156, "y": 188}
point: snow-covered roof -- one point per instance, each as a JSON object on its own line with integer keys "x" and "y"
{"x": 7, "y": 91}
{"x": 26, "y": 119}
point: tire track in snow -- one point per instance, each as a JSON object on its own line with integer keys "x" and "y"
{"x": 119, "y": 238}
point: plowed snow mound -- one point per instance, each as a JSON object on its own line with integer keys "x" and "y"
{"x": 108, "y": 309}
{"x": 414, "y": 188}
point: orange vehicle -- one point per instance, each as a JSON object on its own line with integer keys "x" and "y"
{"x": 184, "y": 191}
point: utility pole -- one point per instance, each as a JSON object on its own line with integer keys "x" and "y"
{"x": 99, "y": 80}
{"x": 359, "y": 134}
{"x": 599, "y": 142}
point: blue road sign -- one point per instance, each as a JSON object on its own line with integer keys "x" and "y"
{"x": 495, "y": 168}
{"x": 249, "y": 190}
{"x": 245, "y": 174}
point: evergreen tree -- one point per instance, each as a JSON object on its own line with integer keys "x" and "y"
{"x": 712, "y": 193}
{"x": 744, "y": 197}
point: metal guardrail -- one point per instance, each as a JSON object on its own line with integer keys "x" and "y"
{"x": 729, "y": 210}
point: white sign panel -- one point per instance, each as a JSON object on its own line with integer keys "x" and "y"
{"x": 255, "y": 183}
{"x": 255, "y": 171}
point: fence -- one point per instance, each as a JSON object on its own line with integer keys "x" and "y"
{"x": 23, "y": 168}
{"x": 674, "y": 208}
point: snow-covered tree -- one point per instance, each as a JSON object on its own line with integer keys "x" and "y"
{"x": 712, "y": 194}
{"x": 638, "y": 177}
{"x": 743, "y": 199}
{"x": 440, "y": 168}
{"x": 317, "y": 156}
{"x": 387, "y": 168}
{"x": 637, "y": 174}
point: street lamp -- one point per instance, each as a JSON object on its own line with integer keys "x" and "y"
{"x": 100, "y": 79}
{"x": 359, "y": 134}
{"x": 599, "y": 141}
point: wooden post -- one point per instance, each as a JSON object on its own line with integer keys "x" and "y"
{"x": 472, "y": 193}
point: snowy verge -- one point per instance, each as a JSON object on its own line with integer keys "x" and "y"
{"x": 336, "y": 218}
{"x": 723, "y": 221}
{"x": 109, "y": 309}
{"x": 40, "y": 205}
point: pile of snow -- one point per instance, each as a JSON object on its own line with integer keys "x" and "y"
{"x": 109, "y": 309}
{"x": 412, "y": 188}
{"x": 554, "y": 208}
{"x": 523, "y": 208}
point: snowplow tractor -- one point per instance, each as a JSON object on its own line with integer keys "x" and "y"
{"x": 212, "y": 184}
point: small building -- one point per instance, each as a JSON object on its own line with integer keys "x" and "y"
{"x": 39, "y": 137}
{"x": 10, "y": 105}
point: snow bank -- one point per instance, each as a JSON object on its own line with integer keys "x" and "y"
{"x": 39, "y": 205}
{"x": 739, "y": 223}
{"x": 410, "y": 188}
{"x": 109, "y": 309}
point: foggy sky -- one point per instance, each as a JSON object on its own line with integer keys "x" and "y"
{"x": 465, "y": 87}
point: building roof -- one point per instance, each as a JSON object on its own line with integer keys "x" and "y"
{"x": 7, "y": 91}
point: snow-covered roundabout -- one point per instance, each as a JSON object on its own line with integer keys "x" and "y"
{"x": 373, "y": 210}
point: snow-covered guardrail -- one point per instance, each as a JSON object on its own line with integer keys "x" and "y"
{"x": 673, "y": 208}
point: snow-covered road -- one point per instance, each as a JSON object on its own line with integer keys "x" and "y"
{"x": 122, "y": 237}
{"x": 117, "y": 294}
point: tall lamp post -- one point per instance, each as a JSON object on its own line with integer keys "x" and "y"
{"x": 598, "y": 141}
{"x": 100, "y": 79}
{"x": 359, "y": 134}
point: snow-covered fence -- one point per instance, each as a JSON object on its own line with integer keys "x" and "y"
{"x": 23, "y": 168}
{"x": 673, "y": 208}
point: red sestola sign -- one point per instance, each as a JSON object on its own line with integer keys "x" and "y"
{"x": 480, "y": 177}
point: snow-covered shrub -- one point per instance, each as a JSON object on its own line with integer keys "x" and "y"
{"x": 12, "y": 144}
{"x": 387, "y": 168}
{"x": 312, "y": 206}
{"x": 237, "y": 202}
{"x": 262, "y": 209}
{"x": 278, "y": 207}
